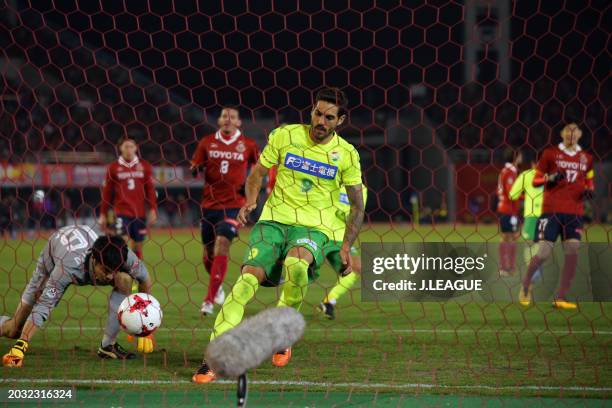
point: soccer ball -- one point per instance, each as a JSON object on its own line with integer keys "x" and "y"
{"x": 140, "y": 314}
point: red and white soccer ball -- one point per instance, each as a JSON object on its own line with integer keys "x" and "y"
{"x": 140, "y": 314}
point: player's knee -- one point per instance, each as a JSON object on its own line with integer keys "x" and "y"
{"x": 571, "y": 247}
{"x": 545, "y": 249}
{"x": 222, "y": 245}
{"x": 123, "y": 283}
{"x": 509, "y": 237}
{"x": 300, "y": 253}
{"x": 259, "y": 273}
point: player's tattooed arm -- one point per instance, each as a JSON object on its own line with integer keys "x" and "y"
{"x": 355, "y": 217}
{"x": 353, "y": 225}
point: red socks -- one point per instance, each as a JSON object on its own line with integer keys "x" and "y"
{"x": 507, "y": 255}
{"x": 217, "y": 274}
{"x": 512, "y": 255}
{"x": 569, "y": 271}
{"x": 534, "y": 264}
{"x": 207, "y": 264}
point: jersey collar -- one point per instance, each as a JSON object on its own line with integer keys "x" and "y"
{"x": 232, "y": 139}
{"x": 510, "y": 166}
{"x": 569, "y": 152}
{"x": 131, "y": 164}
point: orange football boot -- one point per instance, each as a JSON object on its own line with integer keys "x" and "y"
{"x": 282, "y": 358}
{"x": 204, "y": 375}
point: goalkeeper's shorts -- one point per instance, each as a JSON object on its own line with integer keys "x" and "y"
{"x": 39, "y": 278}
{"x": 269, "y": 243}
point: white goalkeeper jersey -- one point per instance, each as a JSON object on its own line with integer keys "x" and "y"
{"x": 62, "y": 263}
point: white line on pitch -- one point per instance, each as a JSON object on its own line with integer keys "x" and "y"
{"x": 311, "y": 384}
{"x": 371, "y": 330}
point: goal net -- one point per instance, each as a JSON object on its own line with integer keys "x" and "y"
{"x": 439, "y": 93}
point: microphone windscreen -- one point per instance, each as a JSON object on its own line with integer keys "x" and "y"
{"x": 254, "y": 340}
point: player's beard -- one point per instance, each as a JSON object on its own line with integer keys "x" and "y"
{"x": 320, "y": 136}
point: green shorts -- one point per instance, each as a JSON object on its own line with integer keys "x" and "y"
{"x": 331, "y": 250}
{"x": 529, "y": 228}
{"x": 269, "y": 243}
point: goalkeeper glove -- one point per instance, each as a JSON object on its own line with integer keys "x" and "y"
{"x": 144, "y": 344}
{"x": 555, "y": 178}
{"x": 14, "y": 358}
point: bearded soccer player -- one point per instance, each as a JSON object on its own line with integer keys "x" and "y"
{"x": 508, "y": 215}
{"x": 566, "y": 172}
{"x": 532, "y": 209}
{"x": 314, "y": 165}
{"x": 129, "y": 190}
{"x": 224, "y": 157}
{"x": 331, "y": 250}
{"x": 76, "y": 255}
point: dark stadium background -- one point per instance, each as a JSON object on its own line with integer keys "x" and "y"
{"x": 77, "y": 76}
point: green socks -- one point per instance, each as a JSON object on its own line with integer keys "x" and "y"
{"x": 294, "y": 290}
{"x": 233, "y": 308}
{"x": 296, "y": 283}
{"x": 344, "y": 284}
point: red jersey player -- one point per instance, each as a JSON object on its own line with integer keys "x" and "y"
{"x": 566, "y": 172}
{"x": 224, "y": 157}
{"x": 508, "y": 211}
{"x": 129, "y": 189}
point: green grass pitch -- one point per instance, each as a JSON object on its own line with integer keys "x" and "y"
{"x": 383, "y": 354}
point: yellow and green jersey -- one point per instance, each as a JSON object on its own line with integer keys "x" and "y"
{"x": 534, "y": 196}
{"x": 309, "y": 179}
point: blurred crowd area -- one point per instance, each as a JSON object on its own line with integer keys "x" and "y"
{"x": 77, "y": 76}
{"x": 27, "y": 211}
{"x": 493, "y": 117}
{"x": 24, "y": 211}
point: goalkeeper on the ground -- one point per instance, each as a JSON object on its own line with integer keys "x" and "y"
{"x": 76, "y": 255}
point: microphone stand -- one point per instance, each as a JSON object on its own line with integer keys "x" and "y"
{"x": 242, "y": 390}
